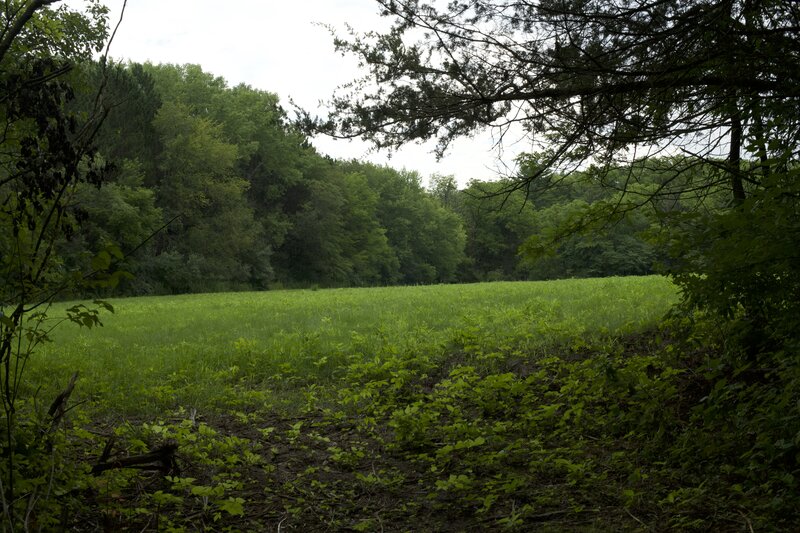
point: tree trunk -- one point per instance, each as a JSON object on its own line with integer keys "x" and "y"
{"x": 735, "y": 158}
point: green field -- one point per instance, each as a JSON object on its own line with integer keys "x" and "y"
{"x": 551, "y": 406}
{"x": 160, "y": 353}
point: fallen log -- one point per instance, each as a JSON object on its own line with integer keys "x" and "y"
{"x": 160, "y": 459}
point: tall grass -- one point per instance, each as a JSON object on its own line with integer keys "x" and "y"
{"x": 157, "y": 352}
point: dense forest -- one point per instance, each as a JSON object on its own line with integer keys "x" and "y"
{"x": 213, "y": 188}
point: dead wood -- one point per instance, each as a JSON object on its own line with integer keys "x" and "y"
{"x": 160, "y": 459}
{"x": 59, "y": 405}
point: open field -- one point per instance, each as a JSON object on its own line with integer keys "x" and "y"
{"x": 501, "y": 405}
{"x": 554, "y": 405}
{"x": 559, "y": 406}
{"x": 160, "y": 353}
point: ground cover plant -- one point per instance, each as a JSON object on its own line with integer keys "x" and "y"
{"x": 556, "y": 405}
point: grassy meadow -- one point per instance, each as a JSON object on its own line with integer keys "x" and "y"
{"x": 156, "y": 353}
{"x": 554, "y": 406}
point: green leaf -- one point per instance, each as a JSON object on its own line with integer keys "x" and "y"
{"x": 101, "y": 261}
{"x": 233, "y": 506}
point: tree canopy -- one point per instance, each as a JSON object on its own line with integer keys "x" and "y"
{"x": 586, "y": 78}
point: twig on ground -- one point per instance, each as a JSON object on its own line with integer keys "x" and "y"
{"x": 631, "y": 515}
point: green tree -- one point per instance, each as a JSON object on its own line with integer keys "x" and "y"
{"x": 46, "y": 153}
{"x": 497, "y": 225}
{"x": 121, "y": 214}
{"x": 273, "y": 158}
{"x": 190, "y": 86}
{"x": 313, "y": 251}
{"x": 445, "y": 190}
{"x": 368, "y": 246}
{"x": 427, "y": 239}
{"x": 336, "y": 237}
{"x": 275, "y": 161}
{"x": 615, "y": 248}
{"x": 214, "y": 233}
{"x": 131, "y": 101}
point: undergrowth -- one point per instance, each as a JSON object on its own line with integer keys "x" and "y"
{"x": 653, "y": 429}
{"x": 633, "y": 433}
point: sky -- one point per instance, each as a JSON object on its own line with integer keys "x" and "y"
{"x": 281, "y": 47}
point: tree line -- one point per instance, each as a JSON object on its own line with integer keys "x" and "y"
{"x": 214, "y": 188}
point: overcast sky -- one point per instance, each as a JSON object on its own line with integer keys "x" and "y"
{"x": 278, "y": 46}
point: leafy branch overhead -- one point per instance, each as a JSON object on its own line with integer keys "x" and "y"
{"x": 584, "y": 78}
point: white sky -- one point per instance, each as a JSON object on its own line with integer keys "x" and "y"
{"x": 276, "y": 45}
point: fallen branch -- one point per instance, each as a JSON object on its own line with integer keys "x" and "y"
{"x": 107, "y": 449}
{"x": 161, "y": 459}
{"x": 59, "y": 405}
